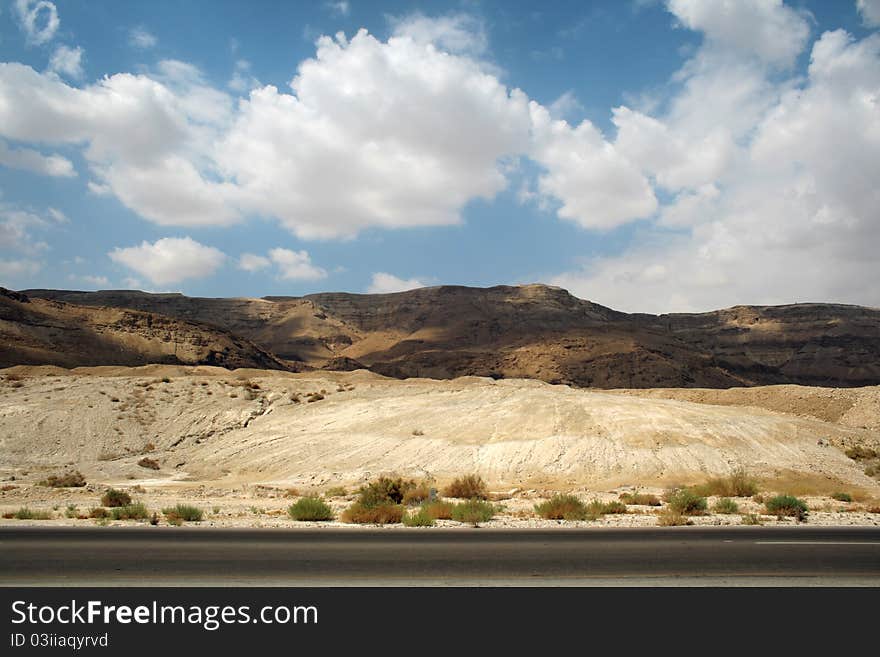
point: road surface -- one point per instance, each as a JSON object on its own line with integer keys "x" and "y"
{"x": 109, "y": 556}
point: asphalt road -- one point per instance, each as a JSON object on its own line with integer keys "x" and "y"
{"x": 801, "y": 556}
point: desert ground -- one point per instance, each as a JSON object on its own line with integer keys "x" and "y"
{"x": 243, "y": 445}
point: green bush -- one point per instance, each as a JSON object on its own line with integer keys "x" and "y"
{"x": 473, "y": 511}
{"x": 562, "y": 507}
{"x": 841, "y": 497}
{"x": 379, "y": 514}
{"x": 687, "y": 502}
{"x": 184, "y": 512}
{"x": 129, "y": 512}
{"x": 787, "y": 506}
{"x": 115, "y": 498}
{"x": 310, "y": 508}
{"x": 420, "y": 518}
{"x": 725, "y": 505}
{"x": 468, "y": 487}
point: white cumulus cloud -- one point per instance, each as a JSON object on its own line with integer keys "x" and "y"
{"x": 252, "y": 262}
{"x": 295, "y": 265}
{"x": 67, "y": 61}
{"x": 38, "y": 19}
{"x": 170, "y": 260}
{"x": 767, "y": 29}
{"x": 384, "y": 283}
{"x": 31, "y": 160}
{"x": 870, "y": 11}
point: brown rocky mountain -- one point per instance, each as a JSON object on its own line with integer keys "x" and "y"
{"x": 37, "y": 331}
{"x": 534, "y": 331}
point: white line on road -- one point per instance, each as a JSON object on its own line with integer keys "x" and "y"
{"x": 817, "y": 543}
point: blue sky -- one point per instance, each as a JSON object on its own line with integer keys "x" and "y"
{"x": 651, "y": 156}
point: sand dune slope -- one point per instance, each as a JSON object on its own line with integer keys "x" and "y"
{"x": 212, "y": 425}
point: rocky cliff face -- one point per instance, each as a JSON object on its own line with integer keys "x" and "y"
{"x": 36, "y": 331}
{"x": 537, "y": 331}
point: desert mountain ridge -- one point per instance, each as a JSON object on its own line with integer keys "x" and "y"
{"x": 529, "y": 331}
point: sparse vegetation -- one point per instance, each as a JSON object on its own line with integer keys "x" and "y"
{"x": 314, "y": 396}
{"x": 69, "y": 480}
{"x": 336, "y": 491}
{"x": 859, "y": 453}
{"x": 725, "y": 506}
{"x": 115, "y": 498}
{"x": 184, "y": 512}
{"x": 787, "y": 506}
{"x": 24, "y": 513}
{"x": 310, "y": 508}
{"x": 738, "y": 484}
{"x": 418, "y": 518}
{"x": 673, "y": 518}
{"x": 686, "y": 502}
{"x": 640, "y": 499}
{"x": 99, "y": 513}
{"x": 842, "y": 497}
{"x": 380, "y": 514}
{"x": 468, "y": 487}
{"x": 613, "y": 507}
{"x": 750, "y": 519}
{"x": 71, "y": 511}
{"x": 473, "y": 511}
{"x": 150, "y": 464}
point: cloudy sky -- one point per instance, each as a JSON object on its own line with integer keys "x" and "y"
{"x": 651, "y": 156}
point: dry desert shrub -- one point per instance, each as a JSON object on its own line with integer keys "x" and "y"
{"x": 385, "y": 490}
{"x": 562, "y": 507}
{"x": 640, "y": 499}
{"x": 439, "y": 510}
{"x": 115, "y": 498}
{"x": 672, "y": 518}
{"x": 336, "y": 491}
{"x": 150, "y": 464}
{"x": 468, "y": 487}
{"x": 25, "y": 513}
{"x": 841, "y": 497}
{"x": 416, "y": 494}
{"x": 738, "y": 484}
{"x": 380, "y": 514}
{"x": 69, "y": 480}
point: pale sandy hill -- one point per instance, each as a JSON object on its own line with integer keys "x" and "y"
{"x": 208, "y": 424}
